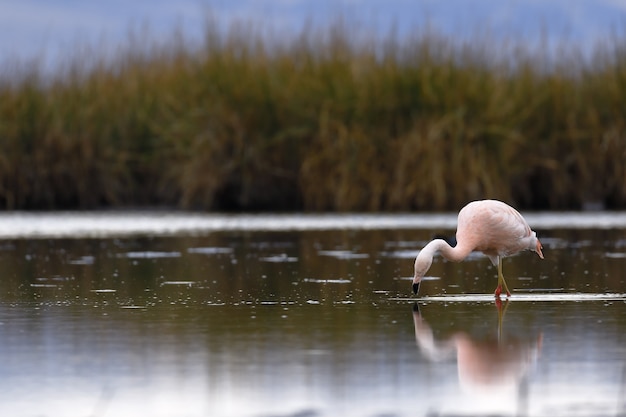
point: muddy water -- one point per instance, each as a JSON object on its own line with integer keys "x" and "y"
{"x": 309, "y": 323}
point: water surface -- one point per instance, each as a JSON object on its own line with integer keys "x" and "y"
{"x": 307, "y": 321}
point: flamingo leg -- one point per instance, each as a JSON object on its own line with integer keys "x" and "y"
{"x": 501, "y": 281}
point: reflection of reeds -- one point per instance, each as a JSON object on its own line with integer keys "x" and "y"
{"x": 326, "y": 121}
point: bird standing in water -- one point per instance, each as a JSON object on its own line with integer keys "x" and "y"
{"x": 489, "y": 226}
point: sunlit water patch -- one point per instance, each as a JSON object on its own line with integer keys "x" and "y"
{"x": 211, "y": 250}
{"x": 400, "y": 254}
{"x": 283, "y": 257}
{"x": 424, "y": 278}
{"x": 150, "y": 255}
{"x": 83, "y": 260}
{"x": 179, "y": 283}
{"x": 327, "y": 281}
{"x": 343, "y": 254}
{"x": 118, "y": 224}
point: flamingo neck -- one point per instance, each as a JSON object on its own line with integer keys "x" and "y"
{"x": 440, "y": 246}
{"x": 425, "y": 257}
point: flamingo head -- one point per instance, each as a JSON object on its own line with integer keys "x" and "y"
{"x": 422, "y": 264}
{"x": 538, "y": 248}
{"x": 535, "y": 245}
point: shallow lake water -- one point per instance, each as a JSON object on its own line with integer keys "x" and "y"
{"x": 311, "y": 319}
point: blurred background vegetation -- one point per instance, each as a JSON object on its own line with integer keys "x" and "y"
{"x": 323, "y": 121}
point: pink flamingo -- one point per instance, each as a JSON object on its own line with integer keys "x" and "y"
{"x": 489, "y": 226}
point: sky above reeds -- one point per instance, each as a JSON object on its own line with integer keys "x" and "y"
{"x": 48, "y": 29}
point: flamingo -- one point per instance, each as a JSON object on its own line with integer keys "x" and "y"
{"x": 489, "y": 226}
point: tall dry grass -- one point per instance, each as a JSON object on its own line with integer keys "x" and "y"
{"x": 325, "y": 120}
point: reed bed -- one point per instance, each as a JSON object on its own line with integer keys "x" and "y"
{"x": 323, "y": 121}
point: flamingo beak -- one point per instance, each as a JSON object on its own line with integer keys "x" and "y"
{"x": 416, "y": 287}
{"x": 538, "y": 249}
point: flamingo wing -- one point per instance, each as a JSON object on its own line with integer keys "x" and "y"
{"x": 493, "y": 228}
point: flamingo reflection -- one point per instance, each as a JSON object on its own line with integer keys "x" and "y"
{"x": 486, "y": 366}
